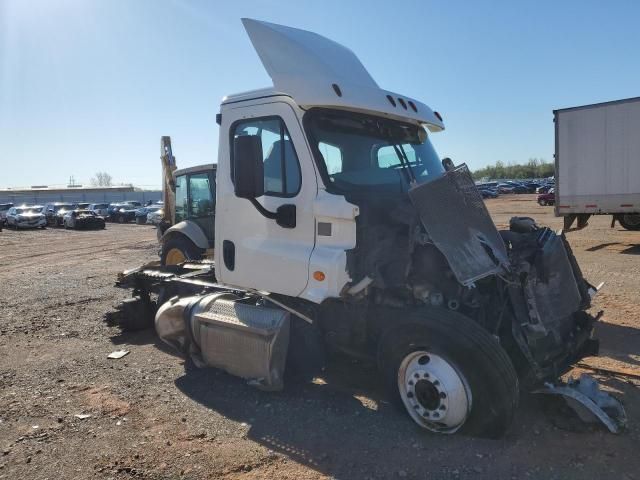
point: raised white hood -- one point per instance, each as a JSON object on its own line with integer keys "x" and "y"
{"x": 306, "y": 66}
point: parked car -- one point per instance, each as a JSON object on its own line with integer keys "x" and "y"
{"x": 122, "y": 212}
{"x": 26, "y": 217}
{"x": 544, "y": 188}
{"x": 82, "y": 219}
{"x": 54, "y": 211}
{"x": 154, "y": 218}
{"x": 4, "y": 208}
{"x": 504, "y": 188}
{"x": 143, "y": 212}
{"x": 100, "y": 209}
{"x": 488, "y": 193}
{"x": 548, "y": 198}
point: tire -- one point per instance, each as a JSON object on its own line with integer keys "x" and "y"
{"x": 177, "y": 249}
{"x": 542, "y": 203}
{"x": 630, "y": 221}
{"x": 121, "y": 219}
{"x": 140, "y": 221}
{"x": 465, "y": 380}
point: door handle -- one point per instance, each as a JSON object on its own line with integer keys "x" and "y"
{"x": 229, "y": 254}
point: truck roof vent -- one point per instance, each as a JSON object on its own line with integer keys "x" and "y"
{"x": 336, "y": 89}
{"x": 413, "y": 106}
{"x": 401, "y": 101}
{"x": 391, "y": 100}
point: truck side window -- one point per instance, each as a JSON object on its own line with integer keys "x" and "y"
{"x": 181, "y": 198}
{"x": 201, "y": 201}
{"x": 282, "y": 176}
{"x": 332, "y": 157}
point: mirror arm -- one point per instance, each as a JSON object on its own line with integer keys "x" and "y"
{"x": 263, "y": 211}
{"x": 285, "y": 216}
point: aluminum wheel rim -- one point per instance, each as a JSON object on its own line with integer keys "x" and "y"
{"x": 434, "y": 392}
{"x": 633, "y": 220}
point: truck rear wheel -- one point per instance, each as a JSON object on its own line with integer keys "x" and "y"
{"x": 449, "y": 374}
{"x": 178, "y": 249}
{"x": 630, "y": 221}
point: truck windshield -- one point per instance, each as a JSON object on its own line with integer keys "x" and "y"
{"x": 356, "y": 151}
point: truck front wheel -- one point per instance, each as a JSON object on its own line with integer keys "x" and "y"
{"x": 630, "y": 222}
{"x": 449, "y": 374}
{"x": 178, "y": 249}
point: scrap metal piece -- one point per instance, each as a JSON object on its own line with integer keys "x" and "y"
{"x": 589, "y": 402}
{"x": 118, "y": 354}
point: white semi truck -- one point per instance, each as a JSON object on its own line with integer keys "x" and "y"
{"x": 597, "y": 158}
{"x": 330, "y": 224}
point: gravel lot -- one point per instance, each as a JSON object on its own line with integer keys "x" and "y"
{"x": 151, "y": 419}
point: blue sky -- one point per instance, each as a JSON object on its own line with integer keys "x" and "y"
{"x": 89, "y": 86}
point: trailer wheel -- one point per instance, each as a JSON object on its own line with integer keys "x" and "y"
{"x": 178, "y": 249}
{"x": 630, "y": 221}
{"x": 449, "y": 374}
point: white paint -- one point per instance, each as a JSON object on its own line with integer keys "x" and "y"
{"x": 598, "y": 158}
{"x": 305, "y": 65}
{"x": 267, "y": 256}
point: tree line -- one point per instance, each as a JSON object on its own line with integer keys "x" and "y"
{"x": 534, "y": 168}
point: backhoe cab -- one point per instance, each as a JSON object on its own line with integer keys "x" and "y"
{"x": 339, "y": 228}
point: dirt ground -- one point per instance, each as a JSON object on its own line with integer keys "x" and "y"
{"x": 152, "y": 419}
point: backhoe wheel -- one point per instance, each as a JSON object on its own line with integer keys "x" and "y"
{"x": 630, "y": 221}
{"x": 178, "y": 249}
{"x": 449, "y": 374}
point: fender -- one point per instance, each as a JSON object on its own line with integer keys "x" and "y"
{"x": 191, "y": 230}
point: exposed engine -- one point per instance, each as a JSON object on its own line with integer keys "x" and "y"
{"x": 439, "y": 247}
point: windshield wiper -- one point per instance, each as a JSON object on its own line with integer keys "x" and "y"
{"x": 404, "y": 161}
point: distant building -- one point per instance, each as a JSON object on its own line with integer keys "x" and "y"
{"x": 38, "y": 195}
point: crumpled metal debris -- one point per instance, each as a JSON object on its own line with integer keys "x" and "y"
{"x": 118, "y": 354}
{"x": 590, "y": 403}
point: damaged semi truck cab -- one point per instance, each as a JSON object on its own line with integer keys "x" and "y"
{"x": 338, "y": 228}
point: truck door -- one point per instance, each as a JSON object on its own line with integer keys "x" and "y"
{"x": 253, "y": 251}
{"x": 201, "y": 201}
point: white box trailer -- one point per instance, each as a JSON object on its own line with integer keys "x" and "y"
{"x": 597, "y": 160}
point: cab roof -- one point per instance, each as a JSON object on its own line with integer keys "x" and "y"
{"x": 316, "y": 71}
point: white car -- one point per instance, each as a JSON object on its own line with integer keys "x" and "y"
{"x": 26, "y": 217}
{"x": 154, "y": 218}
{"x": 4, "y": 208}
{"x": 100, "y": 209}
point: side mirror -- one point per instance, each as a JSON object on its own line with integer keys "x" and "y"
{"x": 248, "y": 167}
{"x": 448, "y": 165}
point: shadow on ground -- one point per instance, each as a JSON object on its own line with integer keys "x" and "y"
{"x": 625, "y": 340}
{"x": 342, "y": 424}
{"x": 629, "y": 250}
